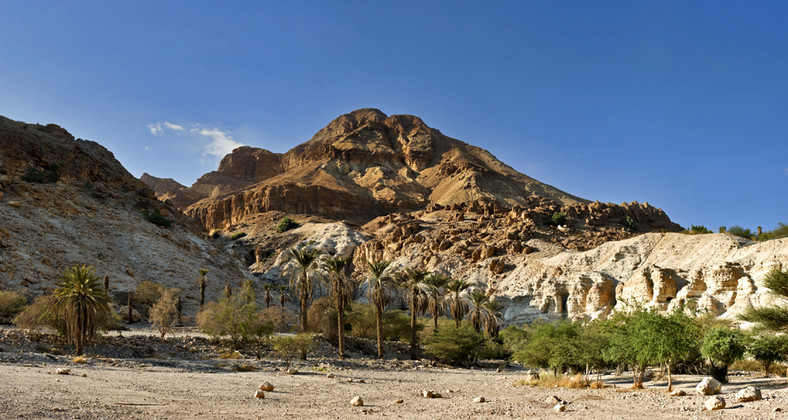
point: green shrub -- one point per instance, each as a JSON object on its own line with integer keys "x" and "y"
{"x": 286, "y": 224}
{"x": 164, "y": 313}
{"x": 289, "y": 346}
{"x": 40, "y": 314}
{"x": 157, "y": 218}
{"x": 768, "y": 349}
{"x": 740, "y": 232}
{"x": 11, "y": 304}
{"x": 237, "y": 317}
{"x": 696, "y": 230}
{"x": 396, "y": 324}
{"x": 558, "y": 218}
{"x": 215, "y": 233}
{"x": 237, "y": 235}
{"x": 629, "y": 222}
{"x": 781, "y": 231}
{"x": 456, "y": 346}
{"x": 49, "y": 174}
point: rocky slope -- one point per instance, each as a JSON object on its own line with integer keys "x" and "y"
{"x": 66, "y": 201}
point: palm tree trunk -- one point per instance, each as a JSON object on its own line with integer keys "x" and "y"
{"x": 379, "y": 326}
{"x": 341, "y": 328}
{"x": 435, "y": 319}
{"x": 304, "y": 303}
{"x": 413, "y": 328}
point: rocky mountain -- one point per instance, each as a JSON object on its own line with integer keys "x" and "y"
{"x": 67, "y": 201}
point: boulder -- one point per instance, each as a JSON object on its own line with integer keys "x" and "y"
{"x": 356, "y": 402}
{"x": 714, "y": 403}
{"x": 266, "y": 386}
{"x": 748, "y": 394}
{"x": 259, "y": 394}
{"x": 708, "y": 386}
{"x": 63, "y": 371}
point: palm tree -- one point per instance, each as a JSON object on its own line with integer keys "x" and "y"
{"x": 304, "y": 261}
{"x": 267, "y": 289}
{"x": 202, "y": 281}
{"x": 379, "y": 285}
{"x": 494, "y": 317}
{"x": 457, "y": 305}
{"x": 340, "y": 291}
{"x": 437, "y": 283}
{"x": 412, "y": 281}
{"x": 282, "y": 295}
{"x": 81, "y": 301}
{"x": 478, "y": 315}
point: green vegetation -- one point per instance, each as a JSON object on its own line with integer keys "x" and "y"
{"x": 41, "y": 314}
{"x": 379, "y": 292}
{"x": 237, "y": 235}
{"x": 740, "y": 232}
{"x": 340, "y": 290}
{"x": 288, "y": 347}
{"x": 11, "y": 304}
{"x": 558, "y": 218}
{"x": 164, "y": 313}
{"x": 696, "y": 230}
{"x": 722, "y": 346}
{"x": 286, "y": 224}
{"x": 80, "y": 301}
{"x": 157, "y": 218}
{"x": 455, "y": 346}
{"x": 49, "y": 174}
{"x": 236, "y": 317}
{"x": 629, "y": 222}
{"x": 303, "y": 263}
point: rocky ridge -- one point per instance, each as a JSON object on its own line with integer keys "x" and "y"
{"x": 87, "y": 209}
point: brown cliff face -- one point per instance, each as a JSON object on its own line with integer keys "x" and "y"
{"x": 362, "y": 165}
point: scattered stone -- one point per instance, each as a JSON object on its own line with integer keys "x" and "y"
{"x": 84, "y": 375}
{"x": 678, "y": 393}
{"x": 361, "y": 381}
{"x": 554, "y": 400}
{"x": 748, "y": 394}
{"x": 777, "y": 410}
{"x": 79, "y": 359}
{"x": 399, "y": 402}
{"x": 715, "y": 403}
{"x": 292, "y": 371}
{"x": 430, "y": 394}
{"x": 63, "y": 371}
{"x": 330, "y": 375}
{"x": 259, "y": 394}
{"x": 356, "y": 402}
{"x": 559, "y": 408}
{"x": 15, "y": 204}
{"x": 499, "y": 370}
{"x": 266, "y": 386}
{"x": 479, "y": 400}
{"x": 708, "y": 386}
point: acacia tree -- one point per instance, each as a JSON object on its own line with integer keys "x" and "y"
{"x": 340, "y": 292}
{"x": 457, "y": 305}
{"x": 416, "y": 290}
{"x": 80, "y": 302}
{"x": 304, "y": 261}
{"x": 722, "y": 346}
{"x": 379, "y": 285}
{"x": 478, "y": 315}
{"x": 436, "y": 295}
{"x": 202, "y": 282}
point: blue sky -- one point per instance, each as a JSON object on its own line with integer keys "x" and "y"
{"x": 679, "y": 103}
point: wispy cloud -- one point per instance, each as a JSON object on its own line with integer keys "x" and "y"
{"x": 158, "y": 128}
{"x": 786, "y": 171}
{"x": 221, "y": 142}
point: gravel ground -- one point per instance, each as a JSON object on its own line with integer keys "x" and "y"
{"x": 184, "y": 377}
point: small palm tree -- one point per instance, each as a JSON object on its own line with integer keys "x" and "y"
{"x": 478, "y": 315}
{"x": 282, "y": 295}
{"x": 437, "y": 283}
{"x": 202, "y": 282}
{"x": 304, "y": 261}
{"x": 494, "y": 317}
{"x": 416, "y": 291}
{"x": 267, "y": 287}
{"x": 81, "y": 301}
{"x": 340, "y": 290}
{"x": 379, "y": 291}
{"x": 457, "y": 305}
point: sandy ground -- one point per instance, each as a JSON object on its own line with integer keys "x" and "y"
{"x": 171, "y": 388}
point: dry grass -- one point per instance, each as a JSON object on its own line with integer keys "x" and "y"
{"x": 243, "y": 367}
{"x": 597, "y": 385}
{"x": 235, "y": 354}
{"x": 755, "y": 366}
{"x": 549, "y": 381}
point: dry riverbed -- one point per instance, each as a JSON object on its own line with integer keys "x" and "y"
{"x": 184, "y": 377}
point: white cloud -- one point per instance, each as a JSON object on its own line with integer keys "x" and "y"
{"x": 786, "y": 171}
{"x": 147, "y": 148}
{"x": 157, "y": 129}
{"x": 221, "y": 142}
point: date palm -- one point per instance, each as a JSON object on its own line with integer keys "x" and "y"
{"x": 457, "y": 304}
{"x": 202, "y": 282}
{"x": 303, "y": 263}
{"x": 416, "y": 290}
{"x": 478, "y": 299}
{"x": 340, "y": 291}
{"x": 494, "y": 317}
{"x": 282, "y": 295}
{"x": 80, "y": 302}
{"x": 267, "y": 287}
{"x": 379, "y": 292}
{"x": 437, "y": 283}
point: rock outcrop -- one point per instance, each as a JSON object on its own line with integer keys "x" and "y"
{"x": 69, "y": 202}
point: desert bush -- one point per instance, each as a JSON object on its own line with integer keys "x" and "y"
{"x": 235, "y": 317}
{"x": 237, "y": 235}
{"x": 146, "y": 295}
{"x": 696, "y": 230}
{"x": 740, "y": 232}
{"x": 40, "y": 314}
{"x": 629, "y": 222}
{"x": 164, "y": 313}
{"x": 157, "y": 218}
{"x": 722, "y": 346}
{"x": 286, "y": 224}
{"x": 322, "y": 318}
{"x": 49, "y": 174}
{"x": 288, "y": 347}
{"x": 558, "y": 218}
{"x": 781, "y": 231}
{"x": 280, "y": 319}
{"x": 456, "y": 346}
{"x": 11, "y": 304}
{"x": 396, "y": 323}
